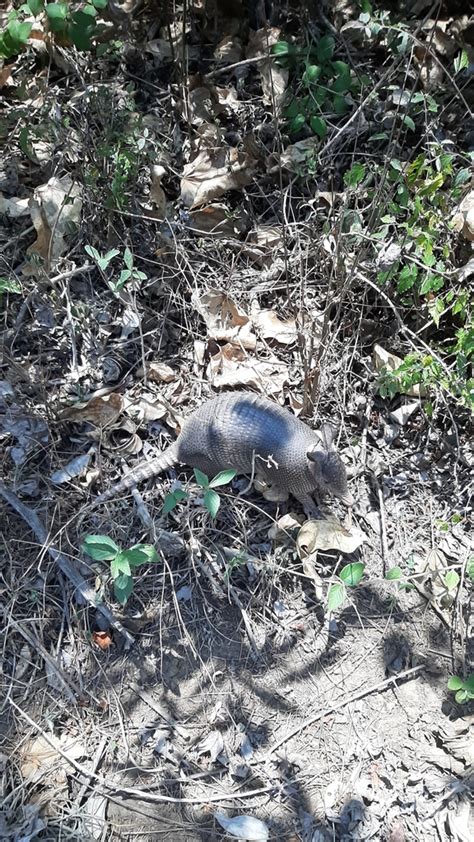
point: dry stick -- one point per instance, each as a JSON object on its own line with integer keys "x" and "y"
{"x": 375, "y": 688}
{"x": 143, "y": 795}
{"x": 66, "y": 566}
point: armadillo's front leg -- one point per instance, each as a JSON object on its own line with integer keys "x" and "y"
{"x": 311, "y": 510}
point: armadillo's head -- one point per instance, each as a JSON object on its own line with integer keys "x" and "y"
{"x": 329, "y": 474}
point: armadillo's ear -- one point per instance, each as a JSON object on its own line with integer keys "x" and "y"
{"x": 318, "y": 456}
{"x": 328, "y": 433}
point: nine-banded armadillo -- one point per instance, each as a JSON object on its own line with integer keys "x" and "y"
{"x": 253, "y": 435}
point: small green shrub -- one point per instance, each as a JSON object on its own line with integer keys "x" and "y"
{"x": 69, "y": 23}
{"x": 323, "y": 84}
{"x": 212, "y": 500}
{"x": 464, "y": 690}
{"x": 122, "y": 562}
{"x": 349, "y": 577}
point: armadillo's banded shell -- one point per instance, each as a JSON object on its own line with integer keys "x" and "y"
{"x": 234, "y": 428}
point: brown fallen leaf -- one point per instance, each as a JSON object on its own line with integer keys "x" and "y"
{"x": 215, "y": 170}
{"x": 270, "y": 326}
{"x": 328, "y": 534}
{"x": 231, "y": 366}
{"x": 224, "y": 319}
{"x": 217, "y": 220}
{"x": 54, "y": 207}
{"x": 158, "y": 372}
{"x": 274, "y": 78}
{"x": 102, "y": 411}
{"x": 102, "y": 639}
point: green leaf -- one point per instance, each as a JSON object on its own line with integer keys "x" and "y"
{"x": 9, "y": 285}
{"x": 451, "y": 580}
{"x": 80, "y": 36}
{"x": 222, "y": 478}
{"x": 92, "y": 252}
{"x": 296, "y": 124}
{"x": 339, "y": 104}
{"x": 408, "y": 122}
{"x": 461, "y": 61}
{"x": 141, "y": 554}
{"x": 461, "y": 696}
{"x": 342, "y": 83}
{"x": 35, "y": 6}
{"x": 123, "y": 587}
{"x": 212, "y": 502}
{"x": 355, "y": 175}
{"x": 56, "y": 14}
{"x": 172, "y": 499}
{"x": 319, "y": 127}
{"x": 120, "y": 564}
{"x": 336, "y": 596}
{"x": 462, "y": 176}
{"x": 431, "y": 283}
{"x": 393, "y": 573}
{"x": 19, "y": 32}
{"x": 325, "y": 48}
{"x": 201, "y": 478}
{"x": 124, "y": 276}
{"x": 351, "y": 574}
{"x": 281, "y": 48}
{"x": 100, "y": 547}
{"x": 100, "y": 4}
{"x": 110, "y": 255}
{"x": 455, "y": 683}
{"x": 128, "y": 258}
{"x": 407, "y": 277}
{"x": 311, "y": 74}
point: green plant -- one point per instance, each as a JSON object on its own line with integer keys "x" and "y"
{"x": 122, "y": 562}
{"x": 211, "y": 498}
{"x": 323, "y": 84}
{"x": 70, "y": 23}
{"x": 464, "y": 690}
{"x": 349, "y": 577}
{"x": 130, "y": 273}
{"x": 9, "y": 285}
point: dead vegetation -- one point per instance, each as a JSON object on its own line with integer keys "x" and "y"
{"x": 198, "y": 200}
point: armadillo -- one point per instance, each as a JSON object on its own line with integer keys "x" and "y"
{"x": 254, "y": 436}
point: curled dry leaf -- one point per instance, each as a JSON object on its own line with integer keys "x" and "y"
{"x": 158, "y": 372}
{"x": 102, "y": 411}
{"x": 270, "y": 326}
{"x": 273, "y": 77}
{"x": 157, "y": 194}
{"x": 122, "y": 438}
{"x": 218, "y": 220}
{"x": 300, "y": 154}
{"x": 225, "y": 321}
{"x": 328, "y": 534}
{"x": 14, "y": 208}
{"x": 263, "y": 244}
{"x": 286, "y": 524}
{"x": 54, "y": 208}
{"x": 269, "y": 492}
{"x": 231, "y": 366}
{"x": 463, "y": 219}
{"x": 215, "y": 170}
{"x": 229, "y": 50}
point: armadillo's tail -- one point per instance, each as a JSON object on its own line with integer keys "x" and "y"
{"x": 143, "y": 471}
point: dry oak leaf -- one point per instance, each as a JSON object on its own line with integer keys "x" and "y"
{"x": 54, "y": 208}
{"x": 158, "y": 372}
{"x": 328, "y": 534}
{"x": 100, "y": 411}
{"x": 213, "y": 172}
{"x": 274, "y": 78}
{"x": 218, "y": 220}
{"x": 225, "y": 321}
{"x": 231, "y": 366}
{"x": 270, "y": 326}
{"x": 39, "y": 757}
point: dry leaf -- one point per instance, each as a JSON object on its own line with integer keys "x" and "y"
{"x": 273, "y": 77}
{"x": 231, "y": 366}
{"x": 286, "y": 523}
{"x": 225, "y": 321}
{"x": 39, "y": 757}
{"x": 215, "y": 170}
{"x": 270, "y": 326}
{"x": 218, "y": 220}
{"x": 157, "y": 194}
{"x": 73, "y": 469}
{"x": 229, "y": 50}
{"x": 299, "y": 155}
{"x": 328, "y": 534}
{"x": 158, "y": 373}
{"x": 244, "y": 827}
{"x": 14, "y": 208}
{"x": 463, "y": 219}
{"x": 101, "y": 411}
{"x": 102, "y": 639}
{"x": 54, "y": 208}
